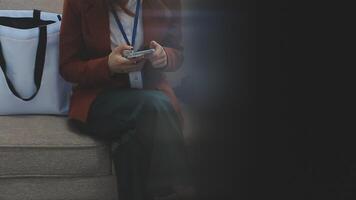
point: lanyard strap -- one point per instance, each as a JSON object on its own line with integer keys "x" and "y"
{"x": 121, "y": 27}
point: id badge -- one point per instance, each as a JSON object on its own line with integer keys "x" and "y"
{"x": 136, "y": 80}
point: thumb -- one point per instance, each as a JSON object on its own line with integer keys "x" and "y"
{"x": 121, "y": 48}
{"x": 154, "y": 45}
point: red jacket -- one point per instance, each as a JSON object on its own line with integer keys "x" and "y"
{"x": 85, "y": 47}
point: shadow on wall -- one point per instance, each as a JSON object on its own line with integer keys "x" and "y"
{"x": 199, "y": 80}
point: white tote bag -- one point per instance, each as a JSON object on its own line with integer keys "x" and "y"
{"x": 29, "y": 58}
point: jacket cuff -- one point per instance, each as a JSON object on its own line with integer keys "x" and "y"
{"x": 173, "y": 62}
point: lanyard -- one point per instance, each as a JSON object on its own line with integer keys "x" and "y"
{"x": 121, "y": 27}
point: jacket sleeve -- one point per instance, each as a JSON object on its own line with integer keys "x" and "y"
{"x": 173, "y": 37}
{"x": 74, "y": 67}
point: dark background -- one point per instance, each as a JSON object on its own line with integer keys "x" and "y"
{"x": 274, "y": 120}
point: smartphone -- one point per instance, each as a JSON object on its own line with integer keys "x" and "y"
{"x": 134, "y": 54}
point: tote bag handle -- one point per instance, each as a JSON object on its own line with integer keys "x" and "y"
{"x": 39, "y": 63}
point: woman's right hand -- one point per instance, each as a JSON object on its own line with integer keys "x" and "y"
{"x": 119, "y": 64}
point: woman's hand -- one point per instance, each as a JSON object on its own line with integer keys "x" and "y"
{"x": 159, "y": 57}
{"x": 119, "y": 64}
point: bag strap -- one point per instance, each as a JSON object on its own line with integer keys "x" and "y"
{"x": 39, "y": 63}
{"x": 37, "y": 15}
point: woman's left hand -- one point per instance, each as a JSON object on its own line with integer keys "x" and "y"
{"x": 159, "y": 57}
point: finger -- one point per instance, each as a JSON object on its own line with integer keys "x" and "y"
{"x": 122, "y": 60}
{"x": 126, "y": 61}
{"x": 121, "y": 48}
{"x": 154, "y": 44}
{"x": 156, "y": 55}
{"x": 153, "y": 56}
{"x": 159, "y": 64}
{"x": 149, "y": 56}
{"x": 158, "y": 51}
{"x": 158, "y": 59}
{"x": 138, "y": 59}
{"x": 130, "y": 62}
{"x": 162, "y": 59}
{"x": 134, "y": 61}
